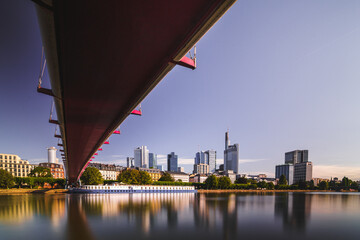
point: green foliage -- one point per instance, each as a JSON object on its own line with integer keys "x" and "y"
{"x": 302, "y": 185}
{"x": 345, "y": 183}
{"x": 270, "y": 186}
{"x": 311, "y": 185}
{"x": 323, "y": 185}
{"x": 262, "y": 184}
{"x": 211, "y": 182}
{"x": 354, "y": 186}
{"x": 40, "y": 172}
{"x": 166, "y": 177}
{"x": 31, "y": 182}
{"x": 241, "y": 180}
{"x": 91, "y": 176}
{"x": 145, "y": 178}
{"x": 109, "y": 182}
{"x": 135, "y": 177}
{"x": 6, "y": 179}
{"x": 224, "y": 182}
{"x": 282, "y": 180}
{"x": 129, "y": 176}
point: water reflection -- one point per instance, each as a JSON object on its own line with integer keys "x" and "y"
{"x": 179, "y": 216}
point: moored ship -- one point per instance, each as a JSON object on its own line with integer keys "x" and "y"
{"x": 131, "y": 189}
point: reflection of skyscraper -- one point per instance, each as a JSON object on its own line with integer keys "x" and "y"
{"x": 231, "y": 155}
{"x": 141, "y": 157}
{"x": 293, "y": 209}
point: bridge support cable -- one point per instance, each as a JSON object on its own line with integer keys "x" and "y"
{"x": 40, "y": 89}
{"x": 51, "y": 114}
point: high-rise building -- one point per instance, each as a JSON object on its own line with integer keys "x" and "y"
{"x": 297, "y": 156}
{"x": 303, "y": 172}
{"x": 212, "y": 160}
{"x": 231, "y": 155}
{"x": 287, "y": 170}
{"x": 180, "y": 169}
{"x": 52, "y": 155}
{"x": 152, "y": 160}
{"x": 141, "y": 157}
{"x": 129, "y": 162}
{"x": 160, "y": 167}
{"x": 297, "y": 167}
{"x": 15, "y": 165}
{"x": 201, "y": 168}
{"x": 201, "y": 158}
{"x": 172, "y": 162}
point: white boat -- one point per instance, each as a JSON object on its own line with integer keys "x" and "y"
{"x": 131, "y": 189}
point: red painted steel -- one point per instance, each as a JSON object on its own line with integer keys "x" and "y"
{"x": 187, "y": 62}
{"x": 95, "y": 86}
{"x": 136, "y": 112}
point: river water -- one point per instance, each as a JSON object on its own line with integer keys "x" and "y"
{"x": 181, "y": 216}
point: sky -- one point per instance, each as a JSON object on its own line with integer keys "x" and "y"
{"x": 280, "y": 75}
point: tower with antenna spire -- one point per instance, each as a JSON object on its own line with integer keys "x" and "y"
{"x": 231, "y": 155}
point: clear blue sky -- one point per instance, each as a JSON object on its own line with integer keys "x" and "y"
{"x": 281, "y": 75}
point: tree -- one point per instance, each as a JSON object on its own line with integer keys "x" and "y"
{"x": 312, "y": 184}
{"x": 345, "y": 183}
{"x": 6, "y": 179}
{"x": 282, "y": 180}
{"x": 302, "y": 184}
{"x": 224, "y": 182}
{"x": 242, "y": 180}
{"x": 270, "y": 186}
{"x": 166, "y": 177}
{"x": 145, "y": 178}
{"x": 323, "y": 185}
{"x": 262, "y": 184}
{"x": 354, "y": 186}
{"x": 211, "y": 182}
{"x": 91, "y": 176}
{"x": 40, "y": 172}
{"x": 130, "y": 176}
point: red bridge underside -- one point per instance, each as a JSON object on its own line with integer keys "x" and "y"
{"x": 110, "y": 55}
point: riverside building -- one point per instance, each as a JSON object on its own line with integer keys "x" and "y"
{"x": 15, "y": 165}
{"x": 297, "y": 167}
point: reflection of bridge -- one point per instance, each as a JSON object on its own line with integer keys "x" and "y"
{"x": 103, "y": 59}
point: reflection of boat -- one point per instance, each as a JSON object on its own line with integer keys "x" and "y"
{"x": 131, "y": 189}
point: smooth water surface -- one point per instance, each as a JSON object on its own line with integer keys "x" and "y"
{"x": 181, "y": 216}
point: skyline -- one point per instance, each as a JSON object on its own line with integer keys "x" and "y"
{"x": 282, "y": 76}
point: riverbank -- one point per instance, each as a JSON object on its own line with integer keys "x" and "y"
{"x": 14, "y": 191}
{"x": 256, "y": 191}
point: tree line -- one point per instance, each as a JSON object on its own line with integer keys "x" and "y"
{"x": 38, "y": 177}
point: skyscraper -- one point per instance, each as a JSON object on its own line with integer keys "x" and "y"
{"x": 129, "y": 162}
{"x": 201, "y": 157}
{"x": 141, "y": 157}
{"x": 212, "y": 160}
{"x": 231, "y": 155}
{"x": 297, "y": 156}
{"x": 287, "y": 170}
{"x": 172, "y": 162}
{"x": 297, "y": 167}
{"x": 152, "y": 160}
